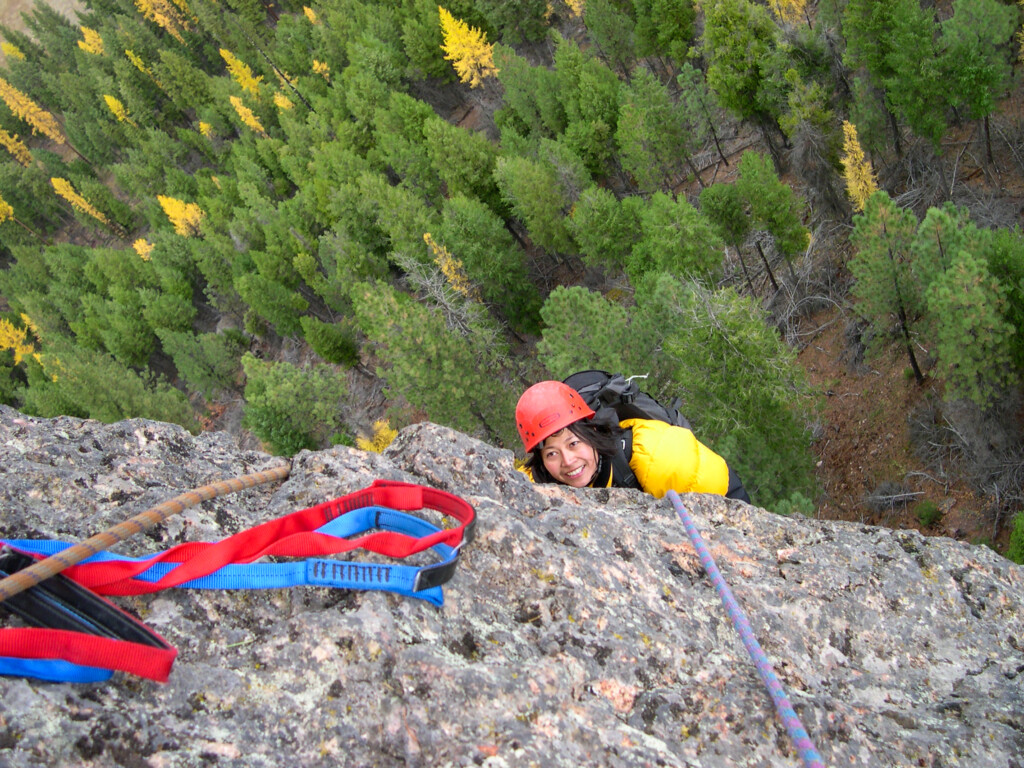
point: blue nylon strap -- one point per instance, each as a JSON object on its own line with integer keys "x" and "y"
{"x": 400, "y": 579}
{"x": 53, "y": 670}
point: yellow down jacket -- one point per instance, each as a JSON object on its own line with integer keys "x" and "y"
{"x": 672, "y": 458}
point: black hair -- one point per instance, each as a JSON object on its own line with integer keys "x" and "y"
{"x": 601, "y": 432}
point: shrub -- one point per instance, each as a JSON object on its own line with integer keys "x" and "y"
{"x": 928, "y": 513}
{"x": 1015, "y": 551}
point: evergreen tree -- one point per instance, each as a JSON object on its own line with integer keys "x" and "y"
{"x": 973, "y": 340}
{"x": 675, "y": 239}
{"x": 209, "y": 362}
{"x": 746, "y": 66}
{"x": 457, "y": 380}
{"x": 582, "y": 330}
{"x": 723, "y": 206}
{"x": 886, "y": 287}
{"x": 714, "y": 341}
{"x": 605, "y": 227}
{"x": 652, "y": 137}
{"x": 492, "y": 259}
{"x": 975, "y": 57}
{"x": 291, "y": 408}
{"x": 611, "y": 28}
{"x": 75, "y": 381}
{"x": 774, "y": 206}
{"x": 537, "y": 196}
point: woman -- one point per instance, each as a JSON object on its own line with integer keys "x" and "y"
{"x": 568, "y": 443}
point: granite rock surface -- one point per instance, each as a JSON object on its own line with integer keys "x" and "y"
{"x": 579, "y": 629}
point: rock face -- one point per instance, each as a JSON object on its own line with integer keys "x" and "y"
{"x": 579, "y": 629}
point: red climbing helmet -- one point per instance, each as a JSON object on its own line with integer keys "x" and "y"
{"x": 546, "y": 408}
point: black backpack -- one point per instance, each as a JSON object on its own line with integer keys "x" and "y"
{"x": 600, "y": 389}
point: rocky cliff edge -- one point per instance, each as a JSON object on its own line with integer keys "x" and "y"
{"x": 578, "y": 630}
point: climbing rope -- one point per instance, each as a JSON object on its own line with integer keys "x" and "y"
{"x": 804, "y": 746}
{"x": 54, "y": 564}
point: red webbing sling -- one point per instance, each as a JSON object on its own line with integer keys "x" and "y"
{"x": 290, "y": 536}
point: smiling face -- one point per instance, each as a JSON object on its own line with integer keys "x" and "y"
{"x": 568, "y": 459}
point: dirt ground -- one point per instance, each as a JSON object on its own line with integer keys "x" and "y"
{"x": 11, "y": 11}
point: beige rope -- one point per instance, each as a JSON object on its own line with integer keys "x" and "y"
{"x": 54, "y": 564}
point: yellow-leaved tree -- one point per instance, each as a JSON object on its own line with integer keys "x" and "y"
{"x": 241, "y": 73}
{"x": 117, "y": 108}
{"x": 143, "y": 247}
{"x": 383, "y": 435}
{"x": 311, "y": 15}
{"x": 186, "y": 217}
{"x": 67, "y": 191}
{"x": 16, "y": 339}
{"x": 452, "y": 269}
{"x": 790, "y": 11}
{"x": 18, "y": 150}
{"x": 282, "y": 102}
{"x": 467, "y": 49}
{"x": 38, "y": 118}
{"x": 860, "y": 178}
{"x": 247, "y": 116}
{"x": 91, "y": 41}
{"x": 166, "y": 14}
{"x": 12, "y": 51}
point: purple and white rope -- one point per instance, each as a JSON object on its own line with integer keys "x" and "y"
{"x": 804, "y": 746}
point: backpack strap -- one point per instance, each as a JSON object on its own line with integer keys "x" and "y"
{"x": 622, "y": 474}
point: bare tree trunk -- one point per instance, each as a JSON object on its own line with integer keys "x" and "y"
{"x": 767, "y": 266}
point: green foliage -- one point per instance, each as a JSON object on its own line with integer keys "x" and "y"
{"x": 972, "y": 338}
{"x": 531, "y": 93}
{"x": 664, "y": 27}
{"x": 1015, "y": 551}
{"x": 582, "y": 330}
{"x": 605, "y": 227}
{"x": 773, "y": 204}
{"x": 90, "y": 384}
{"x": 676, "y": 239}
{"x": 334, "y": 342}
{"x": 273, "y": 302}
{"x": 976, "y": 60}
{"x": 746, "y": 66}
{"x": 457, "y": 379}
{"x": 291, "y": 408}
{"x": 1006, "y": 263}
{"x": 611, "y": 29}
{"x": 209, "y": 362}
{"x": 652, "y": 137}
{"x": 474, "y": 235}
{"x": 537, "y": 196}
{"x": 886, "y": 288}
{"x": 740, "y": 385}
{"x": 927, "y": 513}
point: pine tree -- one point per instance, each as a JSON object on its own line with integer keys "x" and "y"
{"x": 723, "y": 206}
{"x": 292, "y": 408}
{"x": 7, "y": 214}
{"x": 883, "y": 236}
{"x": 583, "y": 329}
{"x": 675, "y": 239}
{"x": 973, "y": 340}
{"x": 468, "y": 50}
{"x": 860, "y": 178}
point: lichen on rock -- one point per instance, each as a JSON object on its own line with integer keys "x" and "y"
{"x": 578, "y": 630}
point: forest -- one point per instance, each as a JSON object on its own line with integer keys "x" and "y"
{"x": 317, "y": 222}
